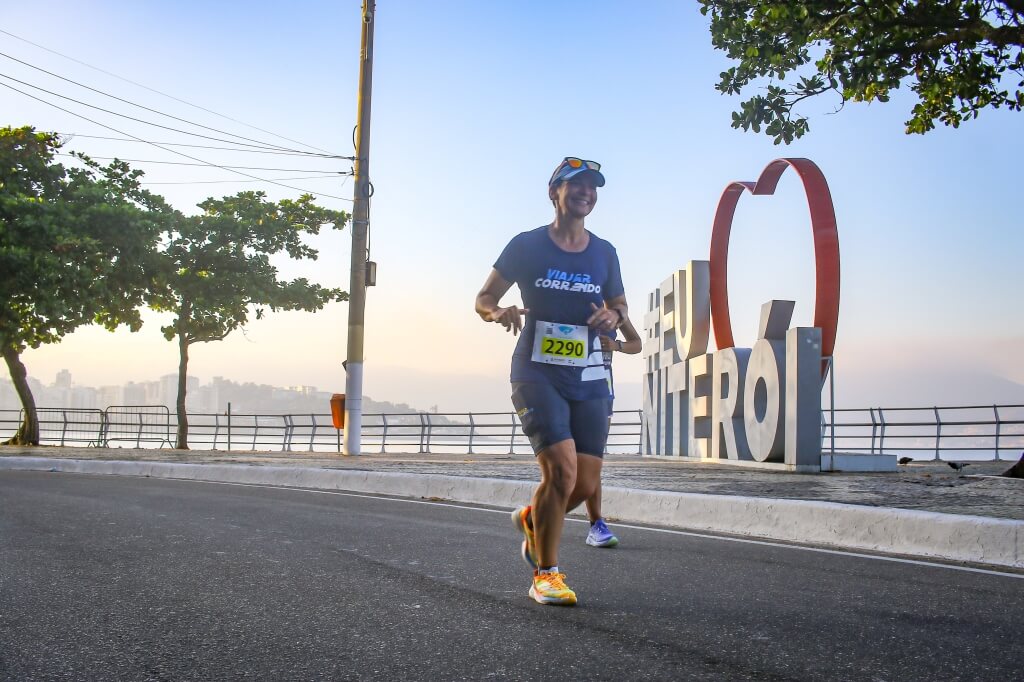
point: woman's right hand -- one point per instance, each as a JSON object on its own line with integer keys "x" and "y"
{"x": 511, "y": 318}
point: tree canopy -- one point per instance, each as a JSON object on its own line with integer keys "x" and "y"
{"x": 74, "y": 244}
{"x": 216, "y": 270}
{"x": 959, "y": 57}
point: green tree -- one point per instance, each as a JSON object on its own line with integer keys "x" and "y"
{"x": 73, "y": 247}
{"x": 959, "y": 56}
{"x": 216, "y": 270}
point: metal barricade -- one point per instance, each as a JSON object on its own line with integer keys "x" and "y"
{"x": 69, "y": 426}
{"x": 139, "y": 424}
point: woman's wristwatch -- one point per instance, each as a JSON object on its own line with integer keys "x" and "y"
{"x": 619, "y": 341}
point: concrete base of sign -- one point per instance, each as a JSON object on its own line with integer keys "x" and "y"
{"x": 852, "y": 461}
{"x": 743, "y": 463}
{"x": 840, "y": 461}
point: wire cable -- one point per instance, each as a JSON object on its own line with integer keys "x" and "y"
{"x": 140, "y": 106}
{"x": 223, "y": 182}
{"x": 172, "y": 151}
{"x": 185, "y": 163}
{"x": 162, "y": 94}
{"x": 131, "y": 118}
{"x": 205, "y": 146}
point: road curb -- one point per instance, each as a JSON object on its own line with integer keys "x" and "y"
{"x": 953, "y": 537}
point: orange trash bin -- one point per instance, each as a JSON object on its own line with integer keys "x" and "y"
{"x": 338, "y": 410}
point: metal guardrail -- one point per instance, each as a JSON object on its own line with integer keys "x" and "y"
{"x": 981, "y": 433}
{"x": 972, "y": 432}
{"x": 148, "y": 426}
{"x": 475, "y": 432}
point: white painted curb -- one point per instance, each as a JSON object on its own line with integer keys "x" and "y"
{"x": 954, "y": 537}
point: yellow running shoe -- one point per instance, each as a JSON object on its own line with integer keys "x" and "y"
{"x": 529, "y": 549}
{"x": 550, "y": 588}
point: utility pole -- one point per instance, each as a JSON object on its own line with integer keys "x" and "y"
{"x": 360, "y": 225}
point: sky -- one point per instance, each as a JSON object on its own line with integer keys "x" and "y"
{"x": 473, "y": 105}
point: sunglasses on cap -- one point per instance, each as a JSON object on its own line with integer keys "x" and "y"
{"x": 573, "y": 162}
{"x": 572, "y": 166}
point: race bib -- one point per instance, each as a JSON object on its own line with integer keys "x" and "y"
{"x": 561, "y": 344}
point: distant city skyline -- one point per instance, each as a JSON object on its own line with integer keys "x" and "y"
{"x": 216, "y": 396}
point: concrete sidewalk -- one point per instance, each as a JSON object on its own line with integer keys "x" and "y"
{"x": 926, "y": 509}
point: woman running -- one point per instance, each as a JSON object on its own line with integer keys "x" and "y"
{"x": 572, "y": 292}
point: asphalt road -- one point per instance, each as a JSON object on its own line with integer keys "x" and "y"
{"x": 106, "y": 577}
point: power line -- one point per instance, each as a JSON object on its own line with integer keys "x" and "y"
{"x": 223, "y": 182}
{"x": 205, "y": 146}
{"x": 162, "y": 94}
{"x": 172, "y": 151}
{"x": 147, "y": 109}
{"x": 131, "y": 118}
{"x": 184, "y": 163}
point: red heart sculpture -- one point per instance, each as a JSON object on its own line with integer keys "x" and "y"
{"x": 826, "y": 249}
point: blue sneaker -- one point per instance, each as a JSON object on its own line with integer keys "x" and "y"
{"x": 600, "y": 536}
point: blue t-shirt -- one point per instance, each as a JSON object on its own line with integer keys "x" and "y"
{"x": 559, "y": 286}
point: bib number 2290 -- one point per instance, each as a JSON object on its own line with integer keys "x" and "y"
{"x": 561, "y": 344}
{"x": 563, "y": 348}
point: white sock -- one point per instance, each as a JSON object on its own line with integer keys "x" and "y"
{"x": 553, "y": 569}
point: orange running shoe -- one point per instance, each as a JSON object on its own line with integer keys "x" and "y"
{"x": 550, "y": 588}
{"x": 520, "y": 519}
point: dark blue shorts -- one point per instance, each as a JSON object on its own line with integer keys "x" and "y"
{"x": 548, "y": 418}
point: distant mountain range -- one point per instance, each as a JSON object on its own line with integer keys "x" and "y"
{"x": 914, "y": 388}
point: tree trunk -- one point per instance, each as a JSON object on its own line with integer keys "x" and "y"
{"x": 182, "y": 439}
{"x": 28, "y": 432}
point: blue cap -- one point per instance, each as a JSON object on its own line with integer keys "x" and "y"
{"x": 566, "y": 171}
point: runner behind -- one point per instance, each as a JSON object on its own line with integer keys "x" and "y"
{"x": 600, "y": 535}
